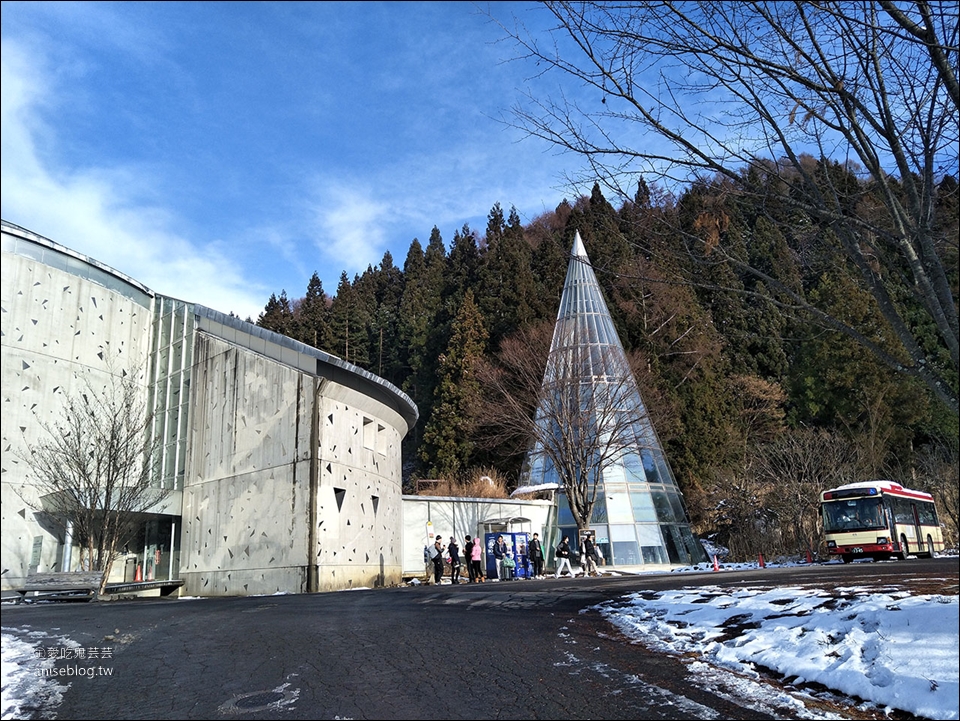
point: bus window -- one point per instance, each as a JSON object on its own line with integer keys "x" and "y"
{"x": 852, "y": 513}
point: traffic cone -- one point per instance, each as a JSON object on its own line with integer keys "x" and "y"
{"x": 139, "y": 574}
{"x": 762, "y": 564}
{"x": 716, "y": 564}
{"x": 809, "y": 556}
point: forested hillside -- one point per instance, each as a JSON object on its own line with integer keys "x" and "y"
{"x": 759, "y": 402}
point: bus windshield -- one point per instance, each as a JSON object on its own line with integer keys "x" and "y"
{"x": 852, "y": 513}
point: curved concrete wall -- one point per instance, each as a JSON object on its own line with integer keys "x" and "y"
{"x": 66, "y": 322}
{"x": 288, "y": 480}
{"x": 292, "y": 473}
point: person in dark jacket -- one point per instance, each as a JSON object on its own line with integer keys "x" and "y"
{"x": 438, "y": 560}
{"x": 467, "y": 555}
{"x": 454, "y": 550}
{"x": 589, "y": 555}
{"x": 536, "y": 556}
{"x": 499, "y": 553}
{"x": 563, "y": 556}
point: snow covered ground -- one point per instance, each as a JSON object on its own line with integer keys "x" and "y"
{"x": 886, "y": 648}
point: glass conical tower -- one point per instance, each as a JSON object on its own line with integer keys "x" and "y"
{"x": 592, "y": 425}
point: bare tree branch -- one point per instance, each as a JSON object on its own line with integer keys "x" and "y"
{"x": 683, "y": 90}
{"x": 94, "y": 469}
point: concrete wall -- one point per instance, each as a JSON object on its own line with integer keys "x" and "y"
{"x": 66, "y": 322}
{"x": 271, "y": 449}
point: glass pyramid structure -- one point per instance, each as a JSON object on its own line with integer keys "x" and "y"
{"x": 592, "y": 424}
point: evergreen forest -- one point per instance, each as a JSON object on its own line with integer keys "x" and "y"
{"x": 759, "y": 404}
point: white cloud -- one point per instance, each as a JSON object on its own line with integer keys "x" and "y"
{"x": 351, "y": 227}
{"x": 95, "y": 210}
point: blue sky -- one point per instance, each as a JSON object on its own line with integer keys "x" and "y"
{"x": 220, "y": 152}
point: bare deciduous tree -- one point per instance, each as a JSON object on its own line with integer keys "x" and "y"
{"x": 92, "y": 471}
{"x": 939, "y": 474}
{"x": 581, "y": 423}
{"x": 786, "y": 99}
{"x": 795, "y": 468}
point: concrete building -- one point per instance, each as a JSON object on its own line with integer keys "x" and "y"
{"x": 282, "y": 461}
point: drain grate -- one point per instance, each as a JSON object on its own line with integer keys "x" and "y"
{"x": 258, "y": 701}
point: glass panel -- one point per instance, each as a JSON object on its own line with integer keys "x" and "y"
{"x": 643, "y": 509}
{"x": 599, "y": 514}
{"x": 177, "y": 331}
{"x": 165, "y": 330}
{"x": 694, "y": 548}
{"x": 653, "y": 554}
{"x": 665, "y": 475}
{"x": 649, "y": 466}
{"x": 163, "y": 362}
{"x": 651, "y": 544}
{"x": 634, "y": 471}
{"x": 173, "y": 423}
{"x": 662, "y": 504}
{"x": 674, "y": 543}
{"x": 626, "y": 553}
{"x": 619, "y": 505}
{"x": 565, "y": 517}
{"x": 679, "y": 513}
{"x": 170, "y": 461}
{"x": 177, "y": 361}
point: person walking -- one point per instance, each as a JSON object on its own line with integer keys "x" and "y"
{"x": 536, "y": 556}
{"x": 588, "y": 552}
{"x": 476, "y": 561}
{"x": 454, "y": 550}
{"x": 500, "y": 553}
{"x": 563, "y": 556}
{"x": 468, "y": 558}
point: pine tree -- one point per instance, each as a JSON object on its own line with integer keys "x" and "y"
{"x": 312, "y": 316}
{"x": 388, "y": 282}
{"x": 277, "y": 315}
{"x": 508, "y": 292}
{"x": 349, "y": 320}
{"x": 448, "y": 444}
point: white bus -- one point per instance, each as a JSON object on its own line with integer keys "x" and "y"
{"x": 879, "y": 519}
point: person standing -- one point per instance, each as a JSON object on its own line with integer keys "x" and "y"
{"x": 429, "y": 551}
{"x": 454, "y": 550}
{"x": 499, "y": 553}
{"x": 476, "y": 560}
{"x": 468, "y": 558}
{"x": 588, "y": 549}
{"x": 563, "y": 556}
{"x": 536, "y": 556}
{"x": 438, "y": 560}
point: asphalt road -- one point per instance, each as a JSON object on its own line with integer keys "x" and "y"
{"x": 514, "y": 650}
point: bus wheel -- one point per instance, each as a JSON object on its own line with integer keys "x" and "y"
{"x": 846, "y": 557}
{"x": 904, "y": 548}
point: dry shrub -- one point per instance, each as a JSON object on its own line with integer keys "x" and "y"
{"x": 478, "y": 483}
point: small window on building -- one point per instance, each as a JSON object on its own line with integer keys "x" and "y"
{"x": 381, "y": 439}
{"x": 369, "y": 434}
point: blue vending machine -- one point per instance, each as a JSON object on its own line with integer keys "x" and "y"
{"x": 521, "y": 555}
{"x": 517, "y": 545}
{"x": 490, "y": 563}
